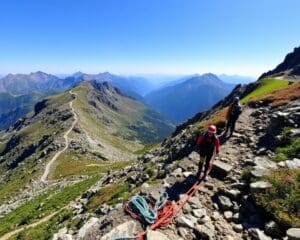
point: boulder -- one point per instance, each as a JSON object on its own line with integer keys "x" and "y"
{"x": 62, "y": 235}
{"x": 177, "y": 172}
{"x": 155, "y": 235}
{"x": 195, "y": 203}
{"x": 238, "y": 228}
{"x": 224, "y": 203}
{"x": 199, "y": 213}
{"x": 259, "y": 187}
{"x": 293, "y": 164}
{"x": 90, "y": 229}
{"x": 185, "y": 222}
{"x": 128, "y": 228}
{"x": 257, "y": 234}
{"x": 293, "y": 234}
{"x": 259, "y": 172}
{"x": 272, "y": 229}
{"x": 206, "y": 231}
{"x": 228, "y": 215}
{"x": 264, "y": 162}
{"x": 221, "y": 168}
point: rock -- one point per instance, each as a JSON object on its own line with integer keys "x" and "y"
{"x": 206, "y": 231}
{"x": 264, "y": 162}
{"x": 216, "y": 216}
{"x": 62, "y": 236}
{"x": 185, "y": 222}
{"x": 238, "y": 228}
{"x": 204, "y": 219}
{"x": 259, "y": 187}
{"x": 233, "y": 194}
{"x": 221, "y": 168}
{"x": 293, "y": 164}
{"x": 293, "y": 233}
{"x": 186, "y": 174}
{"x": 177, "y": 172}
{"x": 224, "y": 203}
{"x": 199, "y": 213}
{"x": 228, "y": 215}
{"x": 209, "y": 186}
{"x": 259, "y": 172}
{"x": 195, "y": 203}
{"x": 236, "y": 217}
{"x": 128, "y": 228}
{"x": 258, "y": 234}
{"x": 155, "y": 235}
{"x": 182, "y": 232}
{"x": 272, "y": 229}
{"x": 90, "y": 229}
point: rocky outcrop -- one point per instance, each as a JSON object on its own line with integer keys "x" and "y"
{"x": 289, "y": 67}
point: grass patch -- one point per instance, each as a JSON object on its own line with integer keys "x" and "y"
{"x": 266, "y": 86}
{"x": 45, "y": 230}
{"x": 146, "y": 148}
{"x": 289, "y": 151}
{"x": 283, "y": 199}
{"x": 72, "y": 164}
{"x": 43, "y": 205}
{"x": 218, "y": 119}
{"x": 111, "y": 194}
{"x": 246, "y": 175}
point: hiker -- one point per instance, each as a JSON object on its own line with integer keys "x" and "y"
{"x": 208, "y": 143}
{"x": 233, "y": 114}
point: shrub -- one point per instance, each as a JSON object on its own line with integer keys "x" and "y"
{"x": 283, "y": 199}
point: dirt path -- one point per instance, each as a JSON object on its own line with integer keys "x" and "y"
{"x": 45, "y": 219}
{"x": 50, "y": 163}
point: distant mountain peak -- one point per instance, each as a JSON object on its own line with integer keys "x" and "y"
{"x": 289, "y": 68}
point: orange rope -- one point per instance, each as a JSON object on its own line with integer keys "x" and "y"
{"x": 171, "y": 208}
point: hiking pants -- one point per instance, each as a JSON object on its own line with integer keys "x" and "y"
{"x": 231, "y": 124}
{"x": 204, "y": 157}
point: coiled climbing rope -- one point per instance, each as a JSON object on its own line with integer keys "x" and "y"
{"x": 163, "y": 212}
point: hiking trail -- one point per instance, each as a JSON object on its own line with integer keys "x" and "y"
{"x": 50, "y": 163}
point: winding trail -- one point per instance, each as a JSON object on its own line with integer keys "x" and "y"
{"x": 50, "y": 163}
{"x": 45, "y": 219}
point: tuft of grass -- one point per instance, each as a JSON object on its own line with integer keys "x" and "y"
{"x": 111, "y": 194}
{"x": 246, "y": 175}
{"x": 42, "y": 206}
{"x": 266, "y": 86}
{"x": 289, "y": 151}
{"x": 283, "y": 199}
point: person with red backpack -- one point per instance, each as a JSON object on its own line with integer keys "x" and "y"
{"x": 208, "y": 143}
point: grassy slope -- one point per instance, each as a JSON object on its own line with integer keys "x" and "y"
{"x": 283, "y": 199}
{"x": 266, "y": 86}
{"x": 42, "y": 206}
{"x": 16, "y": 179}
{"x": 72, "y": 164}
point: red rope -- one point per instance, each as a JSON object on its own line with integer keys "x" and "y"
{"x": 166, "y": 215}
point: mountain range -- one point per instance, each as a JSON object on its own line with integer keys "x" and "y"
{"x": 188, "y": 96}
{"x": 20, "y": 92}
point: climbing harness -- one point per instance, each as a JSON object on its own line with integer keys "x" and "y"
{"x": 163, "y": 211}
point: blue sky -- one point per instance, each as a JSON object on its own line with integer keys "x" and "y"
{"x": 245, "y": 37}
